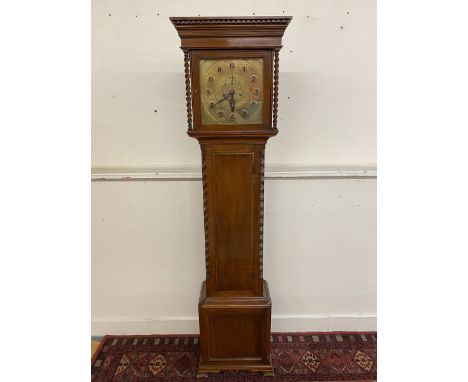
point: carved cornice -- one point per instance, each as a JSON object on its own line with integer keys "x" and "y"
{"x": 230, "y": 20}
{"x": 231, "y": 32}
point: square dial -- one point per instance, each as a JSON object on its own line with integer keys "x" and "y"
{"x": 231, "y": 91}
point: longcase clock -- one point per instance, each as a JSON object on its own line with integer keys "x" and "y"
{"x": 231, "y": 78}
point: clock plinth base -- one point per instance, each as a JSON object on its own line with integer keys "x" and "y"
{"x": 235, "y": 333}
{"x": 203, "y": 370}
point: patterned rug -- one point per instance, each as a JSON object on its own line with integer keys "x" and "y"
{"x": 336, "y": 356}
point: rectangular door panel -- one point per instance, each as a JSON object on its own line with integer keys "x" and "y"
{"x": 233, "y": 220}
{"x": 235, "y": 336}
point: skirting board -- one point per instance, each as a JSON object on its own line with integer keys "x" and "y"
{"x": 189, "y": 325}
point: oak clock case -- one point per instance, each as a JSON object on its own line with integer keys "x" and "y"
{"x": 231, "y": 78}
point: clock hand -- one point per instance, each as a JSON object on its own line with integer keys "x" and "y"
{"x": 222, "y": 99}
{"x": 232, "y": 101}
{"x": 225, "y": 97}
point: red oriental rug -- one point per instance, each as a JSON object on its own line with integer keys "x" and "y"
{"x": 331, "y": 356}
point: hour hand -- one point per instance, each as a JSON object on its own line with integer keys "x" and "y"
{"x": 225, "y": 97}
{"x": 232, "y": 101}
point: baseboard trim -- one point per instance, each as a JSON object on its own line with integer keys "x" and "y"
{"x": 189, "y": 325}
{"x": 115, "y": 173}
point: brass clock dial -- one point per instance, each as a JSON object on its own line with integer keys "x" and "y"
{"x": 231, "y": 91}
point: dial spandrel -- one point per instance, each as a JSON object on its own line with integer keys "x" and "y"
{"x": 231, "y": 91}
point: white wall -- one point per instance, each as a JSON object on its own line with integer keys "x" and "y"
{"x": 327, "y": 72}
{"x": 147, "y": 243}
